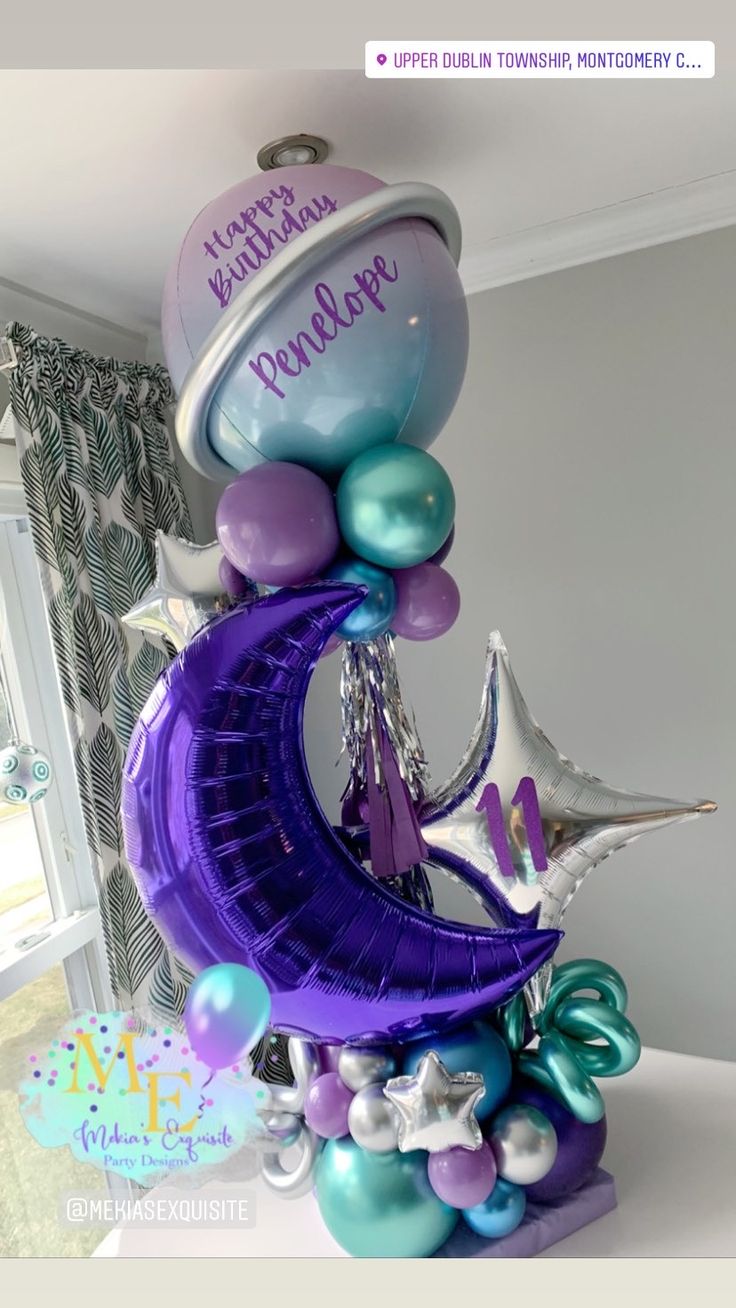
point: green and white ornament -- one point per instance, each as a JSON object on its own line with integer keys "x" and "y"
{"x": 25, "y": 774}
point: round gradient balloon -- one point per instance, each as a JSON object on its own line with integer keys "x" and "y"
{"x": 370, "y": 350}
{"x": 226, "y": 1013}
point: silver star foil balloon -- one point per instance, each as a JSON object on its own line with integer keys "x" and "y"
{"x": 521, "y": 825}
{"x": 187, "y": 591}
{"x": 436, "y": 1110}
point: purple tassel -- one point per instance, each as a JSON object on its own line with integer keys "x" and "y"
{"x": 388, "y": 772}
{"x": 395, "y": 836}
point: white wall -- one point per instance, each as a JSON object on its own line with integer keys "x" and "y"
{"x": 9, "y": 466}
{"x": 202, "y": 495}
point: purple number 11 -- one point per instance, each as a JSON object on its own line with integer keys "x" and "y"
{"x": 526, "y": 798}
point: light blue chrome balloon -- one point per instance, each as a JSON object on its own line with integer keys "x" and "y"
{"x": 395, "y": 505}
{"x": 476, "y": 1048}
{"x": 500, "y": 1213}
{"x": 381, "y": 1205}
{"x": 373, "y": 616}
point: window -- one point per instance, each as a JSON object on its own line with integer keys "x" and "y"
{"x": 42, "y": 847}
{"x": 52, "y": 959}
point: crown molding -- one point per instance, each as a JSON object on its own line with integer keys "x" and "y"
{"x": 668, "y": 215}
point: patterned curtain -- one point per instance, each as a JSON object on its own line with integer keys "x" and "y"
{"x": 100, "y": 479}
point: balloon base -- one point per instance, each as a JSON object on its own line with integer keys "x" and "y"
{"x": 543, "y": 1225}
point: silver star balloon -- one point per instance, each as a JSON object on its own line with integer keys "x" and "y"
{"x": 521, "y": 825}
{"x": 187, "y": 591}
{"x": 436, "y": 1110}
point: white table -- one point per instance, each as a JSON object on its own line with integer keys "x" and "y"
{"x": 671, "y": 1148}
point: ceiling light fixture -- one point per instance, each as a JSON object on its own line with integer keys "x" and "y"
{"x": 290, "y": 150}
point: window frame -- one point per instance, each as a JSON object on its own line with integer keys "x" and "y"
{"x": 74, "y": 937}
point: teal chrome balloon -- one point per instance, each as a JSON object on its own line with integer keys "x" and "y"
{"x": 512, "y": 1021}
{"x": 373, "y": 616}
{"x": 566, "y": 1057}
{"x": 476, "y": 1048}
{"x": 381, "y": 1205}
{"x": 395, "y": 505}
{"x": 500, "y": 1213}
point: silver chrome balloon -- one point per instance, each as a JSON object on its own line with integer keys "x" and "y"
{"x": 283, "y": 1128}
{"x": 373, "y": 1121}
{"x": 298, "y": 1180}
{"x": 362, "y": 1067}
{"x": 240, "y": 322}
{"x": 186, "y": 593}
{"x": 549, "y": 832}
{"x": 524, "y": 1144}
{"x": 305, "y": 1066}
{"x": 436, "y": 1109}
{"x": 287, "y": 1103}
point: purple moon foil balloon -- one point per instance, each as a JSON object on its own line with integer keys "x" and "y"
{"x": 236, "y": 861}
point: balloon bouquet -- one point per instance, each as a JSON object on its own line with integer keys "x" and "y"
{"x": 316, "y": 331}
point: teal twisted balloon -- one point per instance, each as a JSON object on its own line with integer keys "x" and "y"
{"x": 565, "y": 1060}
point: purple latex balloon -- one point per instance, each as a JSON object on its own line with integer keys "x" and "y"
{"x": 427, "y": 602}
{"x": 580, "y": 1145}
{"x": 463, "y": 1178}
{"x": 277, "y": 523}
{"x": 232, "y": 581}
{"x": 326, "y": 1106}
{"x": 236, "y": 861}
{"x": 444, "y": 550}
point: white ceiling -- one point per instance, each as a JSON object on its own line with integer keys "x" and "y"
{"x": 102, "y": 171}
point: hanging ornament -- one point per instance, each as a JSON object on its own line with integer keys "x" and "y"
{"x": 25, "y": 771}
{"x": 25, "y": 774}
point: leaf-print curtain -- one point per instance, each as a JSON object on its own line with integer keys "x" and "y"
{"x": 100, "y": 478}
